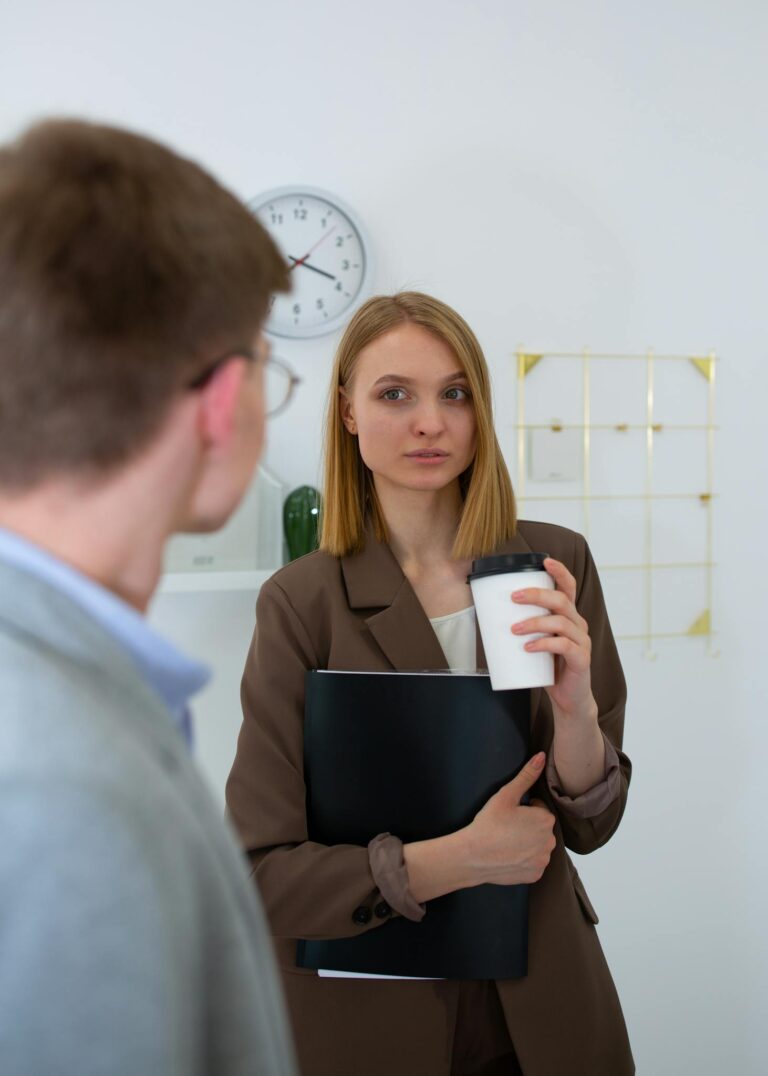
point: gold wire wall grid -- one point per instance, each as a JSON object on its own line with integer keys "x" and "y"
{"x": 647, "y": 424}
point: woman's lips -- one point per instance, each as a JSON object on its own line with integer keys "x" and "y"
{"x": 426, "y": 456}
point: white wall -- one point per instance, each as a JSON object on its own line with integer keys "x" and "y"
{"x": 565, "y": 174}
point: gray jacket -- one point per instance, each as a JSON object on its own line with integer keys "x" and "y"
{"x": 131, "y": 939}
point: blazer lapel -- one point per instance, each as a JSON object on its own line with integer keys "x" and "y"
{"x": 397, "y": 621}
{"x": 375, "y": 581}
{"x": 405, "y": 634}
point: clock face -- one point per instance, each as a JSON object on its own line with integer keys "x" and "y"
{"x": 325, "y": 247}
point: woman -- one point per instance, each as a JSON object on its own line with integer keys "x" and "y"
{"x": 415, "y": 488}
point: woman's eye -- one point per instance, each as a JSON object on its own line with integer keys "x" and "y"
{"x": 394, "y": 394}
{"x": 457, "y": 393}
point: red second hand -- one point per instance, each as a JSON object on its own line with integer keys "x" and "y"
{"x": 323, "y": 237}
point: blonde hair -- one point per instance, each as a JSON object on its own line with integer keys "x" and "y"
{"x": 488, "y": 517}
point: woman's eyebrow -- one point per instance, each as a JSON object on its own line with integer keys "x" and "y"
{"x": 402, "y": 380}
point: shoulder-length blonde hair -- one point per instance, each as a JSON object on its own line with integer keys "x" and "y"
{"x": 488, "y": 517}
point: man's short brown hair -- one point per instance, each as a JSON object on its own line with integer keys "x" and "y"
{"x": 124, "y": 271}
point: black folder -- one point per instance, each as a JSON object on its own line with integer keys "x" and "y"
{"x": 416, "y": 755}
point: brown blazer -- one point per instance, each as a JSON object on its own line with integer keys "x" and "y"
{"x": 360, "y": 613}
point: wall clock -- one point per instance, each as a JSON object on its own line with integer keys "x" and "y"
{"x": 328, "y": 251}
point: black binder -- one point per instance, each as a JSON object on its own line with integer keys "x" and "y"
{"x": 416, "y": 755}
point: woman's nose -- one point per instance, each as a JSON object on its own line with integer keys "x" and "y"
{"x": 428, "y": 420}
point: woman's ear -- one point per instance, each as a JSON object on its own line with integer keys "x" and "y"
{"x": 345, "y": 410}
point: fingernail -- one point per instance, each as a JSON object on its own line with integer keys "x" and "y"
{"x": 538, "y": 760}
{"x": 518, "y": 596}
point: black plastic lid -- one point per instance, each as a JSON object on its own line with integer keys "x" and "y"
{"x": 507, "y": 562}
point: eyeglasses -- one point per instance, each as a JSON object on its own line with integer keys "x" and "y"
{"x": 280, "y": 382}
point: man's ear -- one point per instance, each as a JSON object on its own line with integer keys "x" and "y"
{"x": 219, "y": 401}
{"x": 345, "y": 410}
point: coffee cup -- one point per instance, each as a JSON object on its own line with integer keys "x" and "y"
{"x": 493, "y": 581}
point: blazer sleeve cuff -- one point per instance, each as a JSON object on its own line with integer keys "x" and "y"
{"x": 596, "y": 799}
{"x": 385, "y": 854}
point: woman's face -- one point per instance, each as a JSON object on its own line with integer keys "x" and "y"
{"x": 408, "y": 404}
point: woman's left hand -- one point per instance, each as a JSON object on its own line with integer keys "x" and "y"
{"x": 566, "y": 635}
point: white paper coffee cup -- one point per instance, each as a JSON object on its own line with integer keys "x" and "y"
{"x": 493, "y": 581}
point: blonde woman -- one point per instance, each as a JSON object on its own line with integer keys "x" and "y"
{"x": 415, "y": 488}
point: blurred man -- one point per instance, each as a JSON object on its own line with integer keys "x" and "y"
{"x": 132, "y": 292}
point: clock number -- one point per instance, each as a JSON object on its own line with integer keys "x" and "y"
{"x": 320, "y": 304}
{"x": 277, "y": 218}
{"x": 297, "y": 308}
{"x": 345, "y": 264}
{"x": 300, "y": 214}
{"x": 339, "y": 241}
{"x": 338, "y": 286}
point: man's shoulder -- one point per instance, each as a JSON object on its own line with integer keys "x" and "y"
{"x": 104, "y": 887}
{"x": 100, "y": 843}
{"x": 121, "y": 815}
{"x": 60, "y": 715}
{"x": 52, "y": 646}
{"x": 74, "y": 809}
{"x": 76, "y": 743}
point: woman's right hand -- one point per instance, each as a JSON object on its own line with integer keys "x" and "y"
{"x": 508, "y": 843}
{"x": 505, "y": 844}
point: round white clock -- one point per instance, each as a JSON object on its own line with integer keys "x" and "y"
{"x": 327, "y": 249}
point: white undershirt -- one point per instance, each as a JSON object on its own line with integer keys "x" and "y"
{"x": 456, "y": 635}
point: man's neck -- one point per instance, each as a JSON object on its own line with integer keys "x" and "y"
{"x": 113, "y": 531}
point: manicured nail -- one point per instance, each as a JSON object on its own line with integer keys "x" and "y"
{"x": 518, "y": 596}
{"x": 538, "y": 760}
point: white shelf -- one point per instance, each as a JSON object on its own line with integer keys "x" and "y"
{"x": 197, "y": 582}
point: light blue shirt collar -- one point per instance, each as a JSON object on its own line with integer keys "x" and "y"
{"x": 171, "y": 675}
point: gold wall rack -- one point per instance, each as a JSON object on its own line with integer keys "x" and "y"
{"x": 706, "y": 366}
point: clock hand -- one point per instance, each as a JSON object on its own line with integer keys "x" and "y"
{"x": 302, "y": 261}
{"x": 322, "y": 239}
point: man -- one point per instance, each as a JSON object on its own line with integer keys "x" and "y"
{"x": 132, "y": 291}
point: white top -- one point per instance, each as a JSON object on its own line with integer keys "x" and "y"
{"x": 456, "y": 635}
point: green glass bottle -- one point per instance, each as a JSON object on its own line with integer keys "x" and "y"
{"x": 301, "y": 521}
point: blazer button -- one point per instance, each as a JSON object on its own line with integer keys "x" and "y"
{"x": 382, "y": 910}
{"x": 361, "y": 915}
